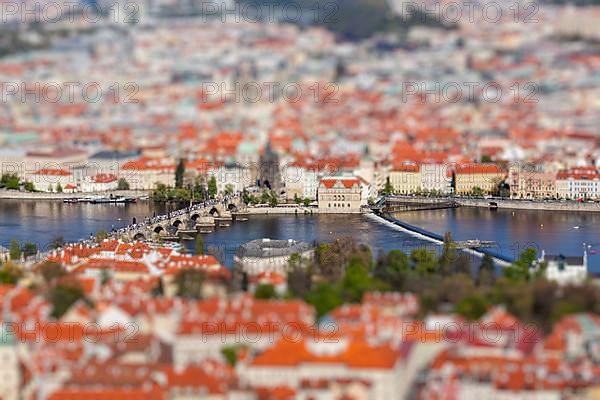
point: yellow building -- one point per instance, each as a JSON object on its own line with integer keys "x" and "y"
{"x": 406, "y": 179}
{"x": 484, "y": 176}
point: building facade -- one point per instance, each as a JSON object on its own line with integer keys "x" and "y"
{"x": 564, "y": 269}
{"x": 531, "y": 184}
{"x": 267, "y": 255}
{"x": 406, "y": 179}
{"x": 469, "y": 177}
{"x": 340, "y": 195}
{"x": 578, "y": 183}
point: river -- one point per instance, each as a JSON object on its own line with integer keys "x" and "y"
{"x": 41, "y": 221}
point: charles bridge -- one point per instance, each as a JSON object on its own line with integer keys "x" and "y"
{"x": 186, "y": 223}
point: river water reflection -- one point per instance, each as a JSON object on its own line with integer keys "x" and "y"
{"x": 41, "y": 221}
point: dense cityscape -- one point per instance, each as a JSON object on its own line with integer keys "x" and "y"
{"x": 247, "y": 200}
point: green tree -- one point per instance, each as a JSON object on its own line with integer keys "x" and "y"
{"x": 519, "y": 270}
{"x": 299, "y": 281}
{"x": 265, "y": 197}
{"x": 392, "y": 269}
{"x": 356, "y": 282}
{"x": 388, "y": 189}
{"x": 472, "y": 306}
{"x": 212, "y": 187}
{"x": 231, "y": 353}
{"x": 59, "y": 188}
{"x": 199, "y": 245}
{"x": 190, "y": 283}
{"x": 545, "y": 295}
{"x": 159, "y": 194}
{"x": 324, "y": 297}
{"x": 64, "y": 295}
{"x": 14, "y": 250}
{"x": 56, "y": 243}
{"x": 10, "y": 181}
{"x": 448, "y": 256}
{"x": 333, "y": 258}
{"x": 229, "y": 189}
{"x": 179, "y": 172}
{"x": 273, "y": 199}
{"x": 516, "y": 296}
{"x": 462, "y": 264}
{"x": 477, "y": 192}
{"x": 297, "y": 199}
{"x": 486, "y": 275}
{"x": 122, "y": 184}
{"x": 10, "y": 273}
{"x": 265, "y": 292}
{"x": 50, "y": 188}
{"x": 29, "y": 186}
{"x": 246, "y": 197}
{"x": 424, "y": 261}
{"x": 51, "y": 271}
{"x": 306, "y": 202}
{"x": 29, "y": 249}
{"x": 101, "y": 235}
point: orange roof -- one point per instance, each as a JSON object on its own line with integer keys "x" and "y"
{"x": 216, "y": 382}
{"x": 406, "y": 167}
{"x": 115, "y": 265}
{"x": 275, "y": 393}
{"x": 356, "y": 354}
{"x": 583, "y": 173}
{"x": 475, "y": 168}
{"x": 146, "y": 163}
{"x": 153, "y": 393}
{"x": 348, "y": 182}
{"x": 104, "y": 178}
{"x": 52, "y": 172}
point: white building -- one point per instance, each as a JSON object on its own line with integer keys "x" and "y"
{"x": 294, "y": 362}
{"x": 50, "y": 179}
{"x": 576, "y": 183}
{"x": 99, "y": 183}
{"x": 436, "y": 177}
{"x": 235, "y": 176}
{"x": 564, "y": 269}
{"x": 266, "y": 255}
{"x": 301, "y": 180}
{"x": 145, "y": 173}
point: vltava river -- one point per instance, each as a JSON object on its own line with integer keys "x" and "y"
{"x": 41, "y": 221}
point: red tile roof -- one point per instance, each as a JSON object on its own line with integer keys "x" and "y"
{"x": 52, "y": 172}
{"x": 348, "y": 182}
{"x": 104, "y": 178}
{"x": 357, "y": 354}
{"x": 478, "y": 169}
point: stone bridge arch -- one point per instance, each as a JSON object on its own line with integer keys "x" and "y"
{"x": 195, "y": 216}
{"x": 158, "y": 229}
{"x": 139, "y": 236}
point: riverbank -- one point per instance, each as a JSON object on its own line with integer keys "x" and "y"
{"x": 17, "y": 195}
{"x": 568, "y": 206}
